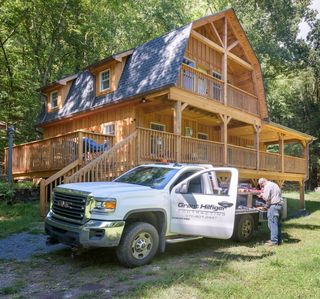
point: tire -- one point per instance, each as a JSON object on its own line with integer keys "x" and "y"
{"x": 138, "y": 245}
{"x": 244, "y": 228}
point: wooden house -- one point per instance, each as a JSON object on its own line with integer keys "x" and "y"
{"x": 193, "y": 95}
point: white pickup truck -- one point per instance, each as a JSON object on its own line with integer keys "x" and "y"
{"x": 147, "y": 207}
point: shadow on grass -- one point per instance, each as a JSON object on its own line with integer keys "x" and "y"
{"x": 302, "y": 226}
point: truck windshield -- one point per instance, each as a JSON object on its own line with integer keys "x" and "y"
{"x": 154, "y": 177}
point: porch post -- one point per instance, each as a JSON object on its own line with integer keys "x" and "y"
{"x": 281, "y": 150}
{"x": 177, "y": 127}
{"x": 225, "y": 62}
{"x": 80, "y": 148}
{"x": 301, "y": 191}
{"x": 257, "y": 130}
{"x": 224, "y": 136}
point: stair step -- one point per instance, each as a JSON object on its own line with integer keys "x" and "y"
{"x": 180, "y": 239}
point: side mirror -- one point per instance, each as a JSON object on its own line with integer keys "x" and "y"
{"x": 182, "y": 189}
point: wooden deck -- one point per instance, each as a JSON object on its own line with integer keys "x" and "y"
{"x": 44, "y": 157}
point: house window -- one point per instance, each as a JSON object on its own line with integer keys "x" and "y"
{"x": 157, "y": 127}
{"x": 202, "y": 82}
{"x": 109, "y": 129}
{"x": 188, "y": 76}
{"x": 54, "y": 99}
{"x": 188, "y": 131}
{"x": 202, "y": 136}
{"x": 217, "y": 87}
{"x": 105, "y": 80}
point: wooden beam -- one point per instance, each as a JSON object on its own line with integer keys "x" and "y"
{"x": 206, "y": 20}
{"x": 207, "y": 41}
{"x": 281, "y": 151}
{"x": 184, "y": 106}
{"x": 225, "y": 63}
{"x": 301, "y": 191}
{"x": 234, "y": 44}
{"x": 240, "y": 61}
{"x": 224, "y": 130}
{"x": 257, "y": 129}
{"x": 216, "y": 32}
{"x": 220, "y": 49}
{"x": 177, "y": 120}
{"x": 211, "y": 106}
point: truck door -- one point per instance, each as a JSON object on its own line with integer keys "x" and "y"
{"x": 204, "y": 205}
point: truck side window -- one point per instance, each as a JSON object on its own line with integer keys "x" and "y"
{"x": 195, "y": 185}
{"x": 215, "y": 185}
{"x": 182, "y": 177}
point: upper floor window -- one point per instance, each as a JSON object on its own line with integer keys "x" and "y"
{"x": 54, "y": 99}
{"x": 105, "y": 80}
{"x": 202, "y": 136}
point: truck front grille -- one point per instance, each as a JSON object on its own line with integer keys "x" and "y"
{"x": 69, "y": 206}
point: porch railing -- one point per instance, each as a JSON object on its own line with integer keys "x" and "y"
{"x": 201, "y": 151}
{"x": 295, "y": 165}
{"x": 55, "y": 153}
{"x": 156, "y": 145}
{"x": 270, "y": 161}
{"x": 242, "y": 157}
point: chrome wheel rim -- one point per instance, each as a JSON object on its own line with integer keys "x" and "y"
{"x": 246, "y": 228}
{"x": 141, "y": 245}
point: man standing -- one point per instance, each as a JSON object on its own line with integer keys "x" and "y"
{"x": 272, "y": 196}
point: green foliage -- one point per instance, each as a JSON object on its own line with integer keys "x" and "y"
{"x": 41, "y": 41}
{"x": 18, "y": 217}
{"x": 6, "y": 191}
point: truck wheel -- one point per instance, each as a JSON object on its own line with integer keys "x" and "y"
{"x": 138, "y": 245}
{"x": 244, "y": 228}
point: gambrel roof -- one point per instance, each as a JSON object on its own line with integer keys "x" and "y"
{"x": 152, "y": 66}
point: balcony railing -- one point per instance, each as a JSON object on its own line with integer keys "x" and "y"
{"x": 242, "y": 100}
{"x": 205, "y": 85}
{"x": 200, "y": 83}
{"x": 55, "y": 153}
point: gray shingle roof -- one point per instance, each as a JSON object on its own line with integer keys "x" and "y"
{"x": 152, "y": 66}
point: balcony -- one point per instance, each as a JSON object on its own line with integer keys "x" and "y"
{"x": 204, "y": 85}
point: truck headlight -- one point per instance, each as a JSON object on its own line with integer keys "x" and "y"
{"x": 105, "y": 204}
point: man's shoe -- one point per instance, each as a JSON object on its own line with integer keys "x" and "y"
{"x": 270, "y": 243}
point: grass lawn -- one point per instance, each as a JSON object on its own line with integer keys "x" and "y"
{"x": 19, "y": 217}
{"x": 204, "y": 268}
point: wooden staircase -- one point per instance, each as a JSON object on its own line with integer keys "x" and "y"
{"x": 109, "y": 165}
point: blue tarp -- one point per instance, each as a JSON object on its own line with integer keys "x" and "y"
{"x": 90, "y": 145}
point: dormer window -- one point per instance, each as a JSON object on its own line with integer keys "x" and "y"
{"x": 105, "y": 80}
{"x": 54, "y": 99}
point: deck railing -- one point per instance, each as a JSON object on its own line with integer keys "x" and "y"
{"x": 270, "y": 161}
{"x": 156, "y": 145}
{"x": 242, "y": 100}
{"x": 242, "y": 157}
{"x": 201, "y": 151}
{"x": 55, "y": 153}
{"x": 295, "y": 165}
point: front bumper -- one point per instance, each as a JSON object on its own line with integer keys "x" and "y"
{"x": 94, "y": 233}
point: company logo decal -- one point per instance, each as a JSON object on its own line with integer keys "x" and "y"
{"x": 225, "y": 204}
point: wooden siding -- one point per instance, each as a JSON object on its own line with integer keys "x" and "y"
{"x": 123, "y": 119}
{"x": 203, "y": 55}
